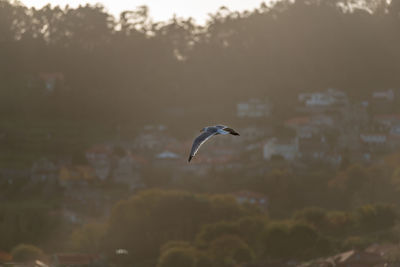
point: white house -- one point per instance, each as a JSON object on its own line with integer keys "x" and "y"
{"x": 288, "y": 149}
{"x": 320, "y": 99}
{"x": 384, "y": 95}
{"x": 254, "y": 198}
{"x": 323, "y": 99}
{"x": 322, "y": 120}
{"x": 167, "y": 155}
{"x": 373, "y": 138}
{"x": 395, "y": 130}
{"x": 254, "y": 108}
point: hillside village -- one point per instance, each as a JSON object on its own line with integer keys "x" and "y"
{"x": 99, "y": 112}
{"x": 326, "y": 128}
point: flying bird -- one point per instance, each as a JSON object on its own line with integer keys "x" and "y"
{"x": 207, "y": 133}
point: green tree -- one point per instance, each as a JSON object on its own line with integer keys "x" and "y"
{"x": 26, "y": 253}
{"x": 181, "y": 253}
{"x": 88, "y": 238}
{"x": 276, "y": 238}
{"x": 377, "y": 217}
{"x": 303, "y": 240}
{"x": 23, "y": 222}
{"x": 230, "y": 250}
{"x": 312, "y": 215}
{"x": 339, "y": 223}
{"x": 143, "y": 223}
{"x": 178, "y": 257}
{"x": 211, "y": 232}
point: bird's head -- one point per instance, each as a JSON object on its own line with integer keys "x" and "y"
{"x": 203, "y": 130}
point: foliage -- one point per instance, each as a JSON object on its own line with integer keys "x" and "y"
{"x": 230, "y": 250}
{"x": 312, "y": 215}
{"x": 377, "y": 217}
{"x": 178, "y": 257}
{"x": 25, "y": 222}
{"x": 26, "y": 253}
{"x": 88, "y": 238}
{"x": 180, "y": 253}
{"x": 143, "y": 223}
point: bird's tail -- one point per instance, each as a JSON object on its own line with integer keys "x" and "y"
{"x": 190, "y": 158}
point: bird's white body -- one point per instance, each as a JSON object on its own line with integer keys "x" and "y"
{"x": 220, "y": 131}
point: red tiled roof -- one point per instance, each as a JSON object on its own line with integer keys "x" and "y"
{"x": 4, "y": 256}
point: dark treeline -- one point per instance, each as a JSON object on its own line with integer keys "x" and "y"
{"x": 130, "y": 69}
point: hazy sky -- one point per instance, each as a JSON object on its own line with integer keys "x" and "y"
{"x": 161, "y": 9}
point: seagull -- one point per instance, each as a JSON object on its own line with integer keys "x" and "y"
{"x": 207, "y": 133}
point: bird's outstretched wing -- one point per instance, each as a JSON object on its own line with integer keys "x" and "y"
{"x": 231, "y": 131}
{"x": 199, "y": 141}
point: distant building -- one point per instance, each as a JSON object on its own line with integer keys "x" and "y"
{"x": 99, "y": 157}
{"x": 167, "y": 155}
{"x": 383, "y": 101}
{"x": 325, "y": 98}
{"x": 395, "y": 130}
{"x": 44, "y": 170}
{"x": 322, "y": 120}
{"x": 388, "y": 95}
{"x": 253, "y": 108}
{"x": 79, "y": 174}
{"x": 254, "y": 198}
{"x": 287, "y": 148}
{"x": 314, "y": 147}
{"x": 353, "y": 117}
{"x": 320, "y": 99}
{"x": 307, "y": 126}
{"x": 387, "y": 120}
{"x": 373, "y": 138}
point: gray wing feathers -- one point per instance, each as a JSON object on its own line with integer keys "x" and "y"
{"x": 199, "y": 141}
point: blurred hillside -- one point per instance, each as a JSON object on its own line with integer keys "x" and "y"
{"x": 95, "y": 110}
